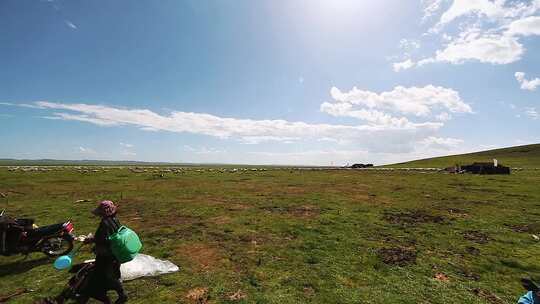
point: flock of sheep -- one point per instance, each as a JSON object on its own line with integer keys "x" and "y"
{"x": 180, "y": 170}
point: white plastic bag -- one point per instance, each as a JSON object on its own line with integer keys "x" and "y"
{"x": 145, "y": 266}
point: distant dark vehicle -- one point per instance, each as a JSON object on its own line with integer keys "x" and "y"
{"x": 485, "y": 168}
{"x": 21, "y": 236}
{"x": 361, "y": 166}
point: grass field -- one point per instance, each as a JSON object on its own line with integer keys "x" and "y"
{"x": 297, "y": 236}
{"x": 521, "y": 157}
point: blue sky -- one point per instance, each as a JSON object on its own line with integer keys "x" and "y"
{"x": 267, "y": 82}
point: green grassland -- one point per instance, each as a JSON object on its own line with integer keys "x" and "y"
{"x": 297, "y": 236}
{"x": 521, "y": 157}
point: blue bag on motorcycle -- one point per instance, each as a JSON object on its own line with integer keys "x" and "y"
{"x": 125, "y": 244}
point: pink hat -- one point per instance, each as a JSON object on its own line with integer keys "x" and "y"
{"x": 105, "y": 208}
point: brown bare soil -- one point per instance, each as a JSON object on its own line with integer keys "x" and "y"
{"x": 412, "y": 218}
{"x": 397, "y": 256}
{"x": 476, "y": 236}
{"x": 204, "y": 257}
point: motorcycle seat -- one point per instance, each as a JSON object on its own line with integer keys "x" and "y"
{"x": 45, "y": 230}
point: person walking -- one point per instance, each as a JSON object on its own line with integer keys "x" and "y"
{"x": 106, "y": 274}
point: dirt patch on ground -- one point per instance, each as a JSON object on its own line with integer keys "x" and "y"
{"x": 488, "y": 296}
{"x": 360, "y": 197}
{"x": 412, "y": 218}
{"x": 198, "y": 295}
{"x": 524, "y": 228}
{"x": 476, "y": 236}
{"x": 237, "y": 207}
{"x": 290, "y": 189}
{"x": 138, "y": 210}
{"x": 309, "y": 290}
{"x": 203, "y": 256}
{"x": 220, "y": 220}
{"x": 472, "y": 250}
{"x": 441, "y": 277}
{"x": 237, "y": 296}
{"x": 457, "y": 213}
{"x": 397, "y": 256}
{"x": 304, "y": 211}
{"x": 469, "y": 275}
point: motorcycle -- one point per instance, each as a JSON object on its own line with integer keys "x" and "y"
{"x": 21, "y": 236}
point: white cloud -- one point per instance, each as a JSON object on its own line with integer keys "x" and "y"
{"x": 489, "y": 32}
{"x": 525, "y": 84}
{"x": 429, "y": 147}
{"x": 23, "y": 105}
{"x": 205, "y": 150}
{"x": 86, "y": 150}
{"x": 430, "y": 8}
{"x": 243, "y": 129}
{"x": 441, "y": 143}
{"x": 404, "y": 65}
{"x": 202, "y": 150}
{"x": 486, "y": 48}
{"x": 525, "y": 27}
{"x": 128, "y": 153}
{"x": 393, "y": 122}
{"x": 253, "y": 140}
{"x": 125, "y": 145}
{"x": 532, "y": 113}
{"x": 82, "y": 117}
{"x": 418, "y": 101}
{"x": 70, "y": 24}
{"x": 487, "y": 8}
{"x": 444, "y": 116}
{"x": 409, "y": 45}
{"x": 376, "y": 142}
{"x": 493, "y": 10}
{"x": 382, "y": 132}
{"x": 344, "y": 109}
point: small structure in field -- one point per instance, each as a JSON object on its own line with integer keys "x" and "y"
{"x": 484, "y": 168}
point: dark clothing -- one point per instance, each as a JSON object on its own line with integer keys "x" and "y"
{"x": 106, "y": 274}
{"x": 107, "y": 227}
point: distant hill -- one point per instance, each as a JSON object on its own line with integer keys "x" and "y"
{"x": 521, "y": 156}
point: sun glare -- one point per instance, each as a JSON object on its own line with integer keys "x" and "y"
{"x": 340, "y": 11}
